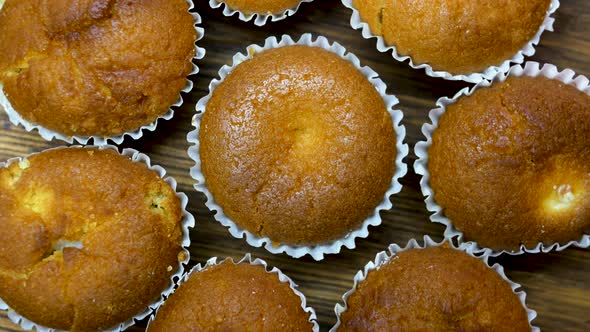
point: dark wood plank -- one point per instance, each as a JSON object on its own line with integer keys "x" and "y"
{"x": 557, "y": 284}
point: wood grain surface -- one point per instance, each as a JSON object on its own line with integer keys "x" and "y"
{"x": 558, "y": 284}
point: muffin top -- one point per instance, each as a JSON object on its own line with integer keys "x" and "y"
{"x": 299, "y": 151}
{"x": 434, "y": 289}
{"x": 460, "y": 37}
{"x": 232, "y": 297}
{"x": 94, "y": 67}
{"x": 510, "y": 165}
{"x": 263, "y": 7}
{"x": 88, "y": 238}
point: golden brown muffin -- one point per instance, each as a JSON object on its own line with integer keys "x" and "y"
{"x": 263, "y": 7}
{"x": 88, "y": 238}
{"x": 94, "y": 67}
{"x": 460, "y": 37}
{"x": 299, "y": 151}
{"x": 434, "y": 289}
{"x": 230, "y": 297}
{"x": 510, "y": 165}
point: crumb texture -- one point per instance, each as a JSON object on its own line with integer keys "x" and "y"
{"x": 94, "y": 67}
{"x": 299, "y": 151}
{"x": 87, "y": 238}
{"x": 263, "y": 7}
{"x": 460, "y": 37}
{"x": 434, "y": 289}
{"x": 229, "y": 297}
{"x": 510, "y": 165}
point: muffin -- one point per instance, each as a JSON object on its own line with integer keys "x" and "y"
{"x": 88, "y": 238}
{"x": 95, "y": 67}
{"x": 434, "y": 289}
{"x": 458, "y": 37}
{"x": 510, "y": 164}
{"x": 300, "y": 152}
{"x": 262, "y": 7}
{"x": 233, "y": 297}
{"x": 259, "y": 10}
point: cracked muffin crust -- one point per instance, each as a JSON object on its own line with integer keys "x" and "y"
{"x": 434, "y": 289}
{"x": 459, "y": 37}
{"x": 88, "y": 238}
{"x": 95, "y": 67}
{"x": 510, "y": 164}
{"x": 232, "y": 297}
{"x": 297, "y": 151}
{"x": 263, "y": 7}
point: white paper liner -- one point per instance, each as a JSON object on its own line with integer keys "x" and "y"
{"x": 487, "y": 74}
{"x": 48, "y": 134}
{"x": 384, "y": 256}
{"x": 532, "y": 69}
{"x": 318, "y": 251}
{"x": 283, "y": 278}
{"x": 188, "y": 221}
{"x": 259, "y": 19}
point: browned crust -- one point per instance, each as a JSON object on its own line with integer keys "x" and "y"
{"x": 460, "y": 37}
{"x": 124, "y": 215}
{"x": 299, "y": 151}
{"x": 263, "y": 7}
{"x": 434, "y": 289}
{"x": 94, "y": 67}
{"x": 229, "y": 297}
{"x": 497, "y": 155}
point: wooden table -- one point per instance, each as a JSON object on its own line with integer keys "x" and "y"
{"x": 558, "y": 284}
